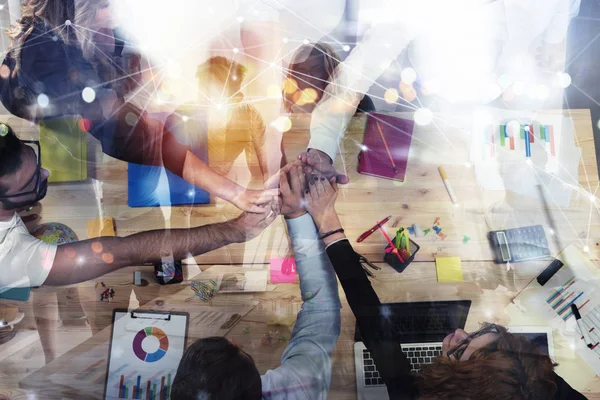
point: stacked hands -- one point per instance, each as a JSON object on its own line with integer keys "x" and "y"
{"x": 313, "y": 163}
{"x": 302, "y": 189}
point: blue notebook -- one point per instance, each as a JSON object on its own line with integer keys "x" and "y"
{"x": 151, "y": 186}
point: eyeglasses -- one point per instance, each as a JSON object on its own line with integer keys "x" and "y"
{"x": 37, "y": 176}
{"x": 458, "y": 350}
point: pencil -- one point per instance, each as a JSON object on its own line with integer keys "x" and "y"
{"x": 394, "y": 249}
{"x": 387, "y": 148}
{"x": 447, "y": 184}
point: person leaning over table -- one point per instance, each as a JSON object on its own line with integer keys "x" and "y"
{"x": 58, "y": 58}
{"x": 490, "y": 363}
{"x": 213, "y": 368}
{"x": 29, "y": 262}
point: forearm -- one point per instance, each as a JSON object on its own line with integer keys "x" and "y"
{"x": 354, "y": 78}
{"x": 307, "y": 359}
{"x": 198, "y": 173}
{"x": 261, "y": 154}
{"x": 86, "y": 260}
{"x": 318, "y": 285}
{"x": 373, "y": 325}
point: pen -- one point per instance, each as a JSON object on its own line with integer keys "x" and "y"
{"x": 584, "y": 332}
{"x": 373, "y": 229}
{"x": 387, "y": 148}
{"x": 447, "y": 184}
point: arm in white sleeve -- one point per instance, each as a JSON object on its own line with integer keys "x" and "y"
{"x": 367, "y": 61}
{"x": 305, "y": 371}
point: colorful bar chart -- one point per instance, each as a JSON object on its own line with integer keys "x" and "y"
{"x": 146, "y": 390}
{"x": 509, "y": 137}
{"x": 562, "y": 298}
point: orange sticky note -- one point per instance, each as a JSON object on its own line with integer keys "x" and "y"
{"x": 101, "y": 227}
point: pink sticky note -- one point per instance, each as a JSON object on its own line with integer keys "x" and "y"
{"x": 283, "y": 270}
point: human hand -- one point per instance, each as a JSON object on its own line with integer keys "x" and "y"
{"x": 249, "y": 225}
{"x": 292, "y": 186}
{"x": 274, "y": 181}
{"x": 255, "y": 201}
{"x": 320, "y": 203}
{"x": 318, "y": 163}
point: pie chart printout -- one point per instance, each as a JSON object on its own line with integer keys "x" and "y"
{"x": 163, "y": 341}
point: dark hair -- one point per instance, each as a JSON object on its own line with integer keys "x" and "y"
{"x": 513, "y": 367}
{"x": 10, "y": 153}
{"x": 215, "y": 369}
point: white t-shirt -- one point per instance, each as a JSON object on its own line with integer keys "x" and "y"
{"x": 24, "y": 260}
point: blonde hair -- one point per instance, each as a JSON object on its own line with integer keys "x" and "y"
{"x": 54, "y": 13}
{"x": 223, "y": 71}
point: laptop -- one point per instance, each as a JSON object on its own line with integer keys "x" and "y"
{"x": 420, "y": 329}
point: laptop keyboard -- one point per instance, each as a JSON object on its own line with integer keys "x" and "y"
{"x": 416, "y": 355}
{"x": 370, "y": 373}
{"x": 433, "y": 320}
{"x": 420, "y": 355}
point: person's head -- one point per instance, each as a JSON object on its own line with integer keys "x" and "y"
{"x": 311, "y": 69}
{"x": 87, "y": 16}
{"x": 219, "y": 78}
{"x": 213, "y": 368}
{"x": 22, "y": 180}
{"x": 492, "y": 365}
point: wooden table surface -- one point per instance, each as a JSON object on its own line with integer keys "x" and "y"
{"x": 365, "y": 200}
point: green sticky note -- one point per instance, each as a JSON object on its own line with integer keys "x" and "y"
{"x": 466, "y": 239}
{"x": 522, "y": 132}
{"x": 426, "y": 231}
{"x": 449, "y": 269}
{"x": 501, "y": 135}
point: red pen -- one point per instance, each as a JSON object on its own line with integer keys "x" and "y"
{"x": 373, "y": 229}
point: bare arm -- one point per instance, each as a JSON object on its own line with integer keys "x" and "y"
{"x": 89, "y": 259}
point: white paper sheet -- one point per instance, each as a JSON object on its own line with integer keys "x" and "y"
{"x": 498, "y": 167}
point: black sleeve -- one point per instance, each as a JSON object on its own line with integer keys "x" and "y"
{"x": 565, "y": 391}
{"x": 375, "y": 328}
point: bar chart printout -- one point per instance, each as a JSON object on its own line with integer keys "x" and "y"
{"x": 554, "y": 302}
{"x": 156, "y": 388}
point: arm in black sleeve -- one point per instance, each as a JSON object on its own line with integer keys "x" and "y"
{"x": 391, "y": 363}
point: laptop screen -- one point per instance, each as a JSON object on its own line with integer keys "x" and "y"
{"x": 420, "y": 322}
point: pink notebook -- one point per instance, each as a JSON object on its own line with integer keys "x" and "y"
{"x": 375, "y": 159}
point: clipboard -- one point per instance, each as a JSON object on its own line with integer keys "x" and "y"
{"x": 145, "y": 349}
{"x": 385, "y": 147}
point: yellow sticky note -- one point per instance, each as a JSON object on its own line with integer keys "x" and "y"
{"x": 101, "y": 227}
{"x": 449, "y": 269}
